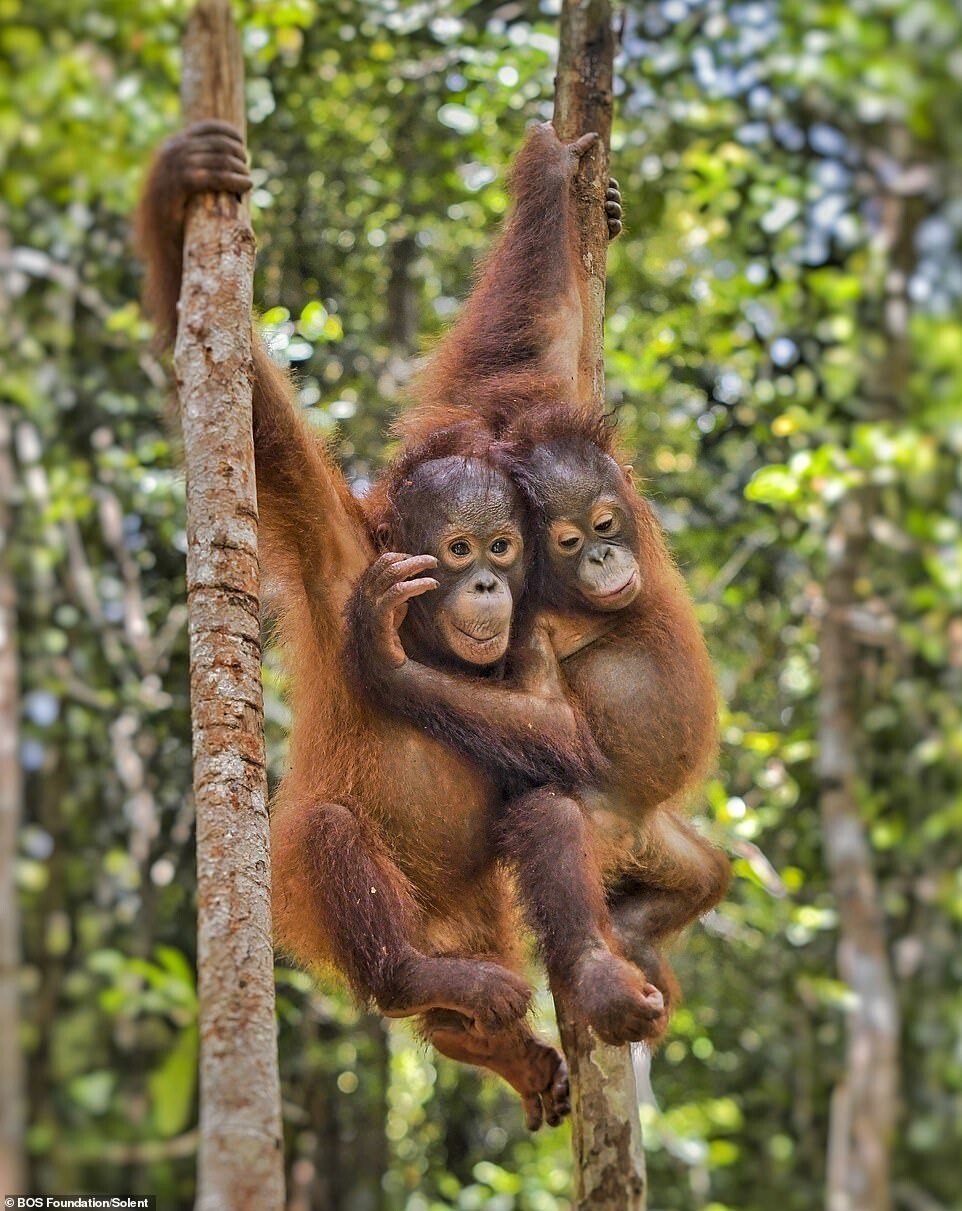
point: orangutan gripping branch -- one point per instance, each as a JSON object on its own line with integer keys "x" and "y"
{"x": 612, "y": 867}
{"x": 518, "y": 336}
{"x": 384, "y": 863}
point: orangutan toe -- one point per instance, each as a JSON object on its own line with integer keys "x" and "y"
{"x": 545, "y": 1094}
{"x": 557, "y": 1099}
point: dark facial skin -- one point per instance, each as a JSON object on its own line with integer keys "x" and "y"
{"x": 465, "y": 515}
{"x": 590, "y": 540}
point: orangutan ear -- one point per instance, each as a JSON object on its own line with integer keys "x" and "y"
{"x": 382, "y": 536}
{"x": 629, "y": 473}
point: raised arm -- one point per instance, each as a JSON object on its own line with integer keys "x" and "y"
{"x": 519, "y": 334}
{"x": 524, "y": 733}
{"x": 313, "y": 529}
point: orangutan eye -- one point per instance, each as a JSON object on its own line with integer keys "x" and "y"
{"x": 500, "y": 546}
{"x": 604, "y": 524}
{"x": 567, "y": 536}
{"x": 460, "y": 549}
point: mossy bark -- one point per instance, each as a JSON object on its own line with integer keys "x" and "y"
{"x": 241, "y": 1154}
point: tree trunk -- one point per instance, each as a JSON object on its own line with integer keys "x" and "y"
{"x": 240, "y": 1153}
{"x": 864, "y": 1107}
{"x": 583, "y": 101}
{"x": 606, "y": 1126}
{"x": 11, "y": 1064}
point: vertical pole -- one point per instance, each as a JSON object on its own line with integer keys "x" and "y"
{"x": 11, "y": 795}
{"x": 241, "y": 1155}
{"x": 864, "y": 1118}
{"x": 584, "y": 101}
{"x": 606, "y": 1126}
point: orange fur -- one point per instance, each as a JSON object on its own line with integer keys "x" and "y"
{"x": 383, "y": 861}
{"x": 643, "y": 680}
{"x": 517, "y": 338}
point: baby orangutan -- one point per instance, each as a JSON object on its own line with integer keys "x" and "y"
{"x": 636, "y": 678}
{"x": 509, "y": 729}
{"x": 383, "y": 861}
{"x": 608, "y": 867}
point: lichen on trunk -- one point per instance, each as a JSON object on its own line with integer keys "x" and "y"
{"x": 240, "y": 1155}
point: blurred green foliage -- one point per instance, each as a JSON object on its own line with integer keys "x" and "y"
{"x": 758, "y": 145}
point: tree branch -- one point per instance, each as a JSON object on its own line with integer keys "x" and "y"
{"x": 606, "y": 1126}
{"x": 240, "y": 1153}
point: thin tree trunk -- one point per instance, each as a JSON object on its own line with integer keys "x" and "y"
{"x": 606, "y": 1126}
{"x": 11, "y": 794}
{"x": 862, "y": 1117}
{"x": 583, "y": 101}
{"x": 864, "y": 1107}
{"x": 240, "y": 1154}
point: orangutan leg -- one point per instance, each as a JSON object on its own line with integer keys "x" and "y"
{"x": 535, "y": 1070}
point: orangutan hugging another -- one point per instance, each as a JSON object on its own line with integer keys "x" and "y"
{"x": 496, "y": 672}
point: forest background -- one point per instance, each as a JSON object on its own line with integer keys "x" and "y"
{"x": 785, "y": 355}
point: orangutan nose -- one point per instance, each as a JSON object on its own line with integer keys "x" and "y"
{"x": 600, "y": 554}
{"x": 486, "y": 582}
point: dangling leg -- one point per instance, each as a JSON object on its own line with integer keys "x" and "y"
{"x": 676, "y": 876}
{"x": 535, "y": 1070}
{"x": 484, "y": 922}
{"x": 546, "y": 836}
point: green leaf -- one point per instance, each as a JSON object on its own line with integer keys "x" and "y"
{"x": 172, "y": 1086}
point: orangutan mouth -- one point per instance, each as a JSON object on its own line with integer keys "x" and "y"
{"x": 480, "y": 640}
{"x": 629, "y": 584}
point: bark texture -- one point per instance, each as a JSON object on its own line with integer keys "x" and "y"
{"x": 583, "y": 101}
{"x": 240, "y": 1154}
{"x": 11, "y": 1064}
{"x": 606, "y": 1126}
{"x": 605, "y": 1122}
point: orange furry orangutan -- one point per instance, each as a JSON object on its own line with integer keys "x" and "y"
{"x": 452, "y": 740}
{"x": 384, "y": 859}
{"x": 611, "y": 869}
